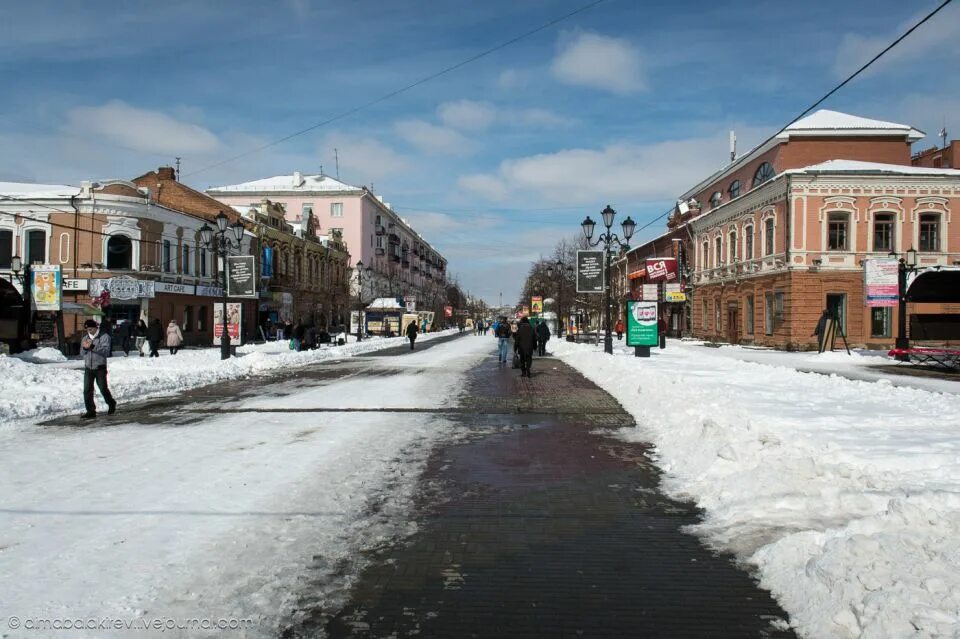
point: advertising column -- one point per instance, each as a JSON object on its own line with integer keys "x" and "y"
{"x": 642, "y": 327}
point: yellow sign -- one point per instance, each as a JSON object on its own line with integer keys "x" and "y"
{"x": 536, "y": 305}
{"x": 676, "y": 297}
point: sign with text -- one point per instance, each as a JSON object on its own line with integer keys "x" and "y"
{"x": 590, "y": 272}
{"x": 662, "y": 268}
{"x": 642, "y": 324}
{"x": 122, "y": 288}
{"x": 75, "y": 285}
{"x": 240, "y": 276}
{"x": 234, "y": 320}
{"x": 536, "y": 304}
{"x": 881, "y": 282}
{"x": 410, "y": 302}
{"x": 45, "y": 283}
{"x": 173, "y": 287}
{"x": 448, "y": 311}
{"x": 650, "y": 293}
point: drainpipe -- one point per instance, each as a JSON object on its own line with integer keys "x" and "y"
{"x": 786, "y": 248}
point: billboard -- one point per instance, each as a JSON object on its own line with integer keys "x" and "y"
{"x": 642, "y": 324}
{"x": 45, "y": 287}
{"x": 448, "y": 311}
{"x": 881, "y": 282}
{"x": 240, "y": 276}
{"x": 662, "y": 268}
{"x": 536, "y": 304}
{"x": 590, "y": 276}
{"x": 234, "y": 321}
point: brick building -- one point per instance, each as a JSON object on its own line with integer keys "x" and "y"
{"x": 937, "y": 157}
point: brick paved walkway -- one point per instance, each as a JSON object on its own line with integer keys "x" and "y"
{"x": 539, "y": 525}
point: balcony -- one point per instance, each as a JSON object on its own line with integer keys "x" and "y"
{"x": 394, "y": 238}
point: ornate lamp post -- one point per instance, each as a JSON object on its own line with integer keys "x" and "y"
{"x": 608, "y": 239}
{"x": 221, "y": 242}
{"x": 563, "y": 273}
{"x": 359, "y": 268}
{"x": 904, "y": 267}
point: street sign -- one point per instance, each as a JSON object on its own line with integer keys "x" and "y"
{"x": 642, "y": 324}
{"x": 240, "y": 279}
{"x": 590, "y": 276}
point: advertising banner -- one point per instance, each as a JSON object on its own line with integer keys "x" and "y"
{"x": 536, "y": 304}
{"x": 590, "y": 277}
{"x": 266, "y": 262}
{"x": 651, "y": 293}
{"x": 642, "y": 324}
{"x": 234, "y": 320}
{"x": 673, "y": 293}
{"x": 240, "y": 276}
{"x": 524, "y": 311}
{"x": 662, "y": 268}
{"x": 122, "y": 288}
{"x": 45, "y": 287}
{"x": 448, "y": 311}
{"x": 881, "y": 282}
{"x": 410, "y": 301}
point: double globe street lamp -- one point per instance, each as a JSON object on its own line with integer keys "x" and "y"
{"x": 904, "y": 267}
{"x": 562, "y": 275}
{"x": 608, "y": 239}
{"x": 221, "y": 242}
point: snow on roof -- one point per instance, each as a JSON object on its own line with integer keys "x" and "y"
{"x": 856, "y": 166}
{"x": 294, "y": 183}
{"x": 827, "y": 122}
{"x": 385, "y": 303}
{"x": 25, "y": 190}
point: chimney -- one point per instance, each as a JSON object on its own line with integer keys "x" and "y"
{"x": 297, "y": 179}
{"x": 166, "y": 173}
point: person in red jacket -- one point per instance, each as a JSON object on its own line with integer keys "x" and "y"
{"x": 619, "y": 328}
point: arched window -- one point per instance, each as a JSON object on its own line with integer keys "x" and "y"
{"x": 734, "y": 189}
{"x": 167, "y": 257}
{"x": 748, "y": 242}
{"x": 764, "y": 173}
{"x": 119, "y": 253}
{"x": 732, "y": 248}
{"x": 768, "y": 236}
{"x": 36, "y": 247}
{"x": 715, "y": 199}
{"x": 706, "y": 255}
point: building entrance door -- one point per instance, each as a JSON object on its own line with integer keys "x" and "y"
{"x": 733, "y": 325}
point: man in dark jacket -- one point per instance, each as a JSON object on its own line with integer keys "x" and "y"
{"x": 154, "y": 337}
{"x": 524, "y": 341}
{"x": 123, "y": 333}
{"x": 543, "y": 335}
{"x": 95, "y": 348}
{"x": 412, "y": 333}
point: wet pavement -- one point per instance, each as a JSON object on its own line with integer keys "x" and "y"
{"x": 537, "y": 523}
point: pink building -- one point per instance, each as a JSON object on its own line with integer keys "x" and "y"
{"x": 397, "y": 261}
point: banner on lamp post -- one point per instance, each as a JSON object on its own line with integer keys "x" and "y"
{"x": 536, "y": 304}
{"x": 881, "y": 278}
{"x": 234, "y": 322}
{"x": 45, "y": 287}
{"x": 240, "y": 276}
{"x": 642, "y": 324}
{"x": 590, "y": 276}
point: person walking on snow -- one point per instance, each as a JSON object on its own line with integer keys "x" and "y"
{"x": 154, "y": 336}
{"x": 140, "y": 332}
{"x": 543, "y": 335}
{"x": 123, "y": 333}
{"x": 95, "y": 348}
{"x": 524, "y": 342}
{"x": 174, "y": 337}
{"x": 412, "y": 333}
{"x": 619, "y": 328}
{"x": 502, "y": 333}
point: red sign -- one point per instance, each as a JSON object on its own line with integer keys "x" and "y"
{"x": 662, "y": 268}
{"x": 448, "y": 311}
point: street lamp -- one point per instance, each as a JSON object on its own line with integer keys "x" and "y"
{"x": 221, "y": 242}
{"x": 562, "y": 275}
{"x": 904, "y": 266}
{"x": 608, "y": 239}
{"x": 359, "y": 300}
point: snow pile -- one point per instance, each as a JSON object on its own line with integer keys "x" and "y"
{"x": 29, "y": 390}
{"x": 844, "y": 495}
{"x": 41, "y": 355}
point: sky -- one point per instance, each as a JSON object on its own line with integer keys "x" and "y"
{"x": 625, "y": 103}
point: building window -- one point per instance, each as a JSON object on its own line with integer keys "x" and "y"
{"x": 734, "y": 189}
{"x": 749, "y": 314}
{"x": 119, "y": 253}
{"x": 732, "y": 250}
{"x": 930, "y": 232}
{"x": 306, "y": 211}
{"x": 203, "y": 262}
{"x": 202, "y": 318}
{"x": 186, "y": 259}
{"x": 167, "y": 257}
{"x": 883, "y": 232}
{"x": 768, "y": 313}
{"x": 768, "y": 231}
{"x": 715, "y": 199}
{"x": 36, "y": 247}
{"x": 748, "y": 243}
{"x": 778, "y": 299}
{"x": 880, "y": 320}
{"x": 718, "y": 321}
{"x": 188, "y": 319}
{"x": 706, "y": 314}
{"x": 837, "y": 227}
{"x": 837, "y": 305}
{"x": 336, "y": 209}
{"x": 6, "y": 248}
{"x": 718, "y": 252}
{"x": 706, "y": 256}
{"x": 764, "y": 173}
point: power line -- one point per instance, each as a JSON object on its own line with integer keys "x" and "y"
{"x": 387, "y": 96}
{"x": 832, "y": 91}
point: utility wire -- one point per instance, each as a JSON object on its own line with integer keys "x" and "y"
{"x": 832, "y": 91}
{"x": 423, "y": 80}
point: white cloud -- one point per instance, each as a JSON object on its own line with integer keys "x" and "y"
{"x": 467, "y": 114}
{"x": 538, "y": 117}
{"x": 600, "y": 62}
{"x": 616, "y": 172}
{"x": 936, "y": 37}
{"x": 141, "y": 129}
{"x": 510, "y": 79}
{"x": 431, "y": 138}
{"x": 362, "y": 159}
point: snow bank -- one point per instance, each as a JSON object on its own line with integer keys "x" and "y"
{"x": 41, "y": 355}
{"x": 844, "y": 495}
{"x": 28, "y": 390}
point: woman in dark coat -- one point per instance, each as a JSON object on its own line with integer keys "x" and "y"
{"x": 543, "y": 335}
{"x": 154, "y": 336}
{"x": 412, "y": 333}
{"x": 524, "y": 341}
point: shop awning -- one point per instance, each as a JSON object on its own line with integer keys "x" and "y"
{"x": 637, "y": 274}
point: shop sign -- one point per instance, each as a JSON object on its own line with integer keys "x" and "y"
{"x": 240, "y": 280}
{"x": 676, "y": 296}
{"x": 448, "y": 311}
{"x": 881, "y": 282}
{"x": 651, "y": 293}
{"x": 75, "y": 285}
{"x": 590, "y": 277}
{"x": 209, "y": 291}
{"x": 536, "y": 304}
{"x": 410, "y": 301}
{"x": 234, "y": 321}
{"x": 122, "y": 288}
{"x": 642, "y": 324}
{"x": 170, "y": 287}
{"x": 45, "y": 287}
{"x": 662, "y": 268}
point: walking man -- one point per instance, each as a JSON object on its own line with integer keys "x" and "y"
{"x": 502, "y": 334}
{"x": 412, "y": 333}
{"x": 95, "y": 348}
{"x": 154, "y": 336}
{"x": 524, "y": 341}
{"x": 543, "y": 335}
{"x": 124, "y": 332}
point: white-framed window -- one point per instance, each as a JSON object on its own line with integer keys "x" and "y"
{"x": 733, "y": 251}
{"x": 167, "y": 257}
{"x": 929, "y": 232}
{"x": 705, "y": 257}
{"x": 35, "y": 242}
{"x": 769, "y": 230}
{"x": 768, "y": 313}
{"x": 718, "y": 252}
{"x": 748, "y": 242}
{"x": 186, "y": 259}
{"x": 883, "y": 232}
{"x": 336, "y": 209}
{"x": 838, "y": 231}
{"x": 119, "y": 253}
{"x": 306, "y": 210}
{"x": 64, "y": 248}
{"x": 379, "y": 240}
{"x": 748, "y": 316}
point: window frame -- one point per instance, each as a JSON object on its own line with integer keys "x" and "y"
{"x": 6, "y": 256}
{"x": 769, "y": 236}
{"x": 734, "y": 189}
{"x": 336, "y": 209}
{"x": 886, "y": 320}
{"x": 834, "y": 217}
{"x": 888, "y": 220}
{"x": 922, "y": 225}
{"x": 166, "y": 256}
{"x": 764, "y": 173}
{"x": 28, "y": 236}
{"x": 748, "y": 237}
{"x": 106, "y": 261}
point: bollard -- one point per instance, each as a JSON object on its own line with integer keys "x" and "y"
{"x": 663, "y": 340}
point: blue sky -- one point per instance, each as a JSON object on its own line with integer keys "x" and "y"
{"x": 628, "y": 103}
